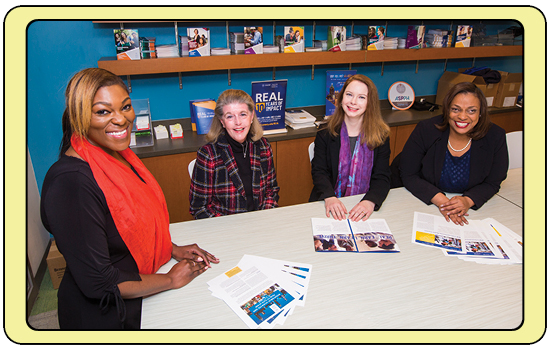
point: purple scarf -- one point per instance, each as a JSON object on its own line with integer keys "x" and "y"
{"x": 354, "y": 170}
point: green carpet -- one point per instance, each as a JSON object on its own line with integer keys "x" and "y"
{"x": 47, "y": 297}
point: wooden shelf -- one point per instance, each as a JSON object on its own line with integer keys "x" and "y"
{"x": 210, "y": 63}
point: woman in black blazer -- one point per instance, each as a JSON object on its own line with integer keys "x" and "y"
{"x": 352, "y": 153}
{"x": 460, "y": 151}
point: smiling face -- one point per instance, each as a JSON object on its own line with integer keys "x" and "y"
{"x": 112, "y": 118}
{"x": 464, "y": 113}
{"x": 354, "y": 99}
{"x": 236, "y": 120}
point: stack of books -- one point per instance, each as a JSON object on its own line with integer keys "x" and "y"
{"x": 220, "y": 51}
{"x": 353, "y": 43}
{"x": 269, "y": 289}
{"x": 148, "y": 48}
{"x": 320, "y": 43}
{"x": 391, "y": 43}
{"x": 299, "y": 119}
{"x": 271, "y": 49}
{"x": 184, "y": 46}
{"x": 236, "y": 42}
{"x": 164, "y": 51}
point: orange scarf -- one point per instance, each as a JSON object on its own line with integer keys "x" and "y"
{"x": 138, "y": 207}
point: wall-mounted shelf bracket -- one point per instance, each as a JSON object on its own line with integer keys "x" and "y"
{"x": 229, "y": 77}
{"x": 129, "y": 82}
{"x": 179, "y": 77}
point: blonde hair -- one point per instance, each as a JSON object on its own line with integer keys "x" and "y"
{"x": 79, "y": 97}
{"x": 226, "y": 98}
{"x": 374, "y": 130}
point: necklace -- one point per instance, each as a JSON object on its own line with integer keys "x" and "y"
{"x": 245, "y": 148}
{"x": 460, "y": 150}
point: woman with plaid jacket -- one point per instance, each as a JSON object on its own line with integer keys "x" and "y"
{"x": 234, "y": 171}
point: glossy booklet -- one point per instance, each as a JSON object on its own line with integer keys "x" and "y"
{"x": 370, "y": 236}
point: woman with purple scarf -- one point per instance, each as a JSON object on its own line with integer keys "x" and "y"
{"x": 352, "y": 153}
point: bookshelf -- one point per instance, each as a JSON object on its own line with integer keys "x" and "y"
{"x": 210, "y": 63}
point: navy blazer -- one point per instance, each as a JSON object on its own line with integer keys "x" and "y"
{"x": 324, "y": 169}
{"x": 423, "y": 156}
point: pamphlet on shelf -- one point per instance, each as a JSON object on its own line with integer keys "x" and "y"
{"x": 376, "y": 37}
{"x": 463, "y": 36}
{"x": 198, "y": 42}
{"x": 269, "y": 103}
{"x": 253, "y": 40}
{"x": 371, "y": 236}
{"x": 294, "y": 39}
{"x": 142, "y": 123}
{"x": 336, "y": 38}
{"x": 127, "y": 44}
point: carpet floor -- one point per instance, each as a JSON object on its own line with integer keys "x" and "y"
{"x": 44, "y": 311}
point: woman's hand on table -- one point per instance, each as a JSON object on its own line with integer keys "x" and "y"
{"x": 361, "y": 211}
{"x": 194, "y": 254}
{"x": 184, "y": 272}
{"x": 335, "y": 207}
{"x": 457, "y": 208}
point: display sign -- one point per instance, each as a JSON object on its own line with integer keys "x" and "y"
{"x": 401, "y": 95}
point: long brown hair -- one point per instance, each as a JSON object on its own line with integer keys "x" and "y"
{"x": 374, "y": 130}
{"x": 79, "y": 97}
{"x": 484, "y": 123}
{"x": 226, "y": 98}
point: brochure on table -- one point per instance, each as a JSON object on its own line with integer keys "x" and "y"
{"x": 371, "y": 236}
{"x": 263, "y": 292}
{"x": 479, "y": 240}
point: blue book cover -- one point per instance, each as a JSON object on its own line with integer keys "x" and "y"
{"x": 335, "y": 81}
{"x": 202, "y": 113}
{"x": 269, "y": 102}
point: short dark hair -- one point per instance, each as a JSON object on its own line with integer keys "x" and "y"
{"x": 484, "y": 123}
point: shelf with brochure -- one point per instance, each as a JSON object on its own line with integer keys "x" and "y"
{"x": 311, "y": 58}
{"x": 142, "y": 134}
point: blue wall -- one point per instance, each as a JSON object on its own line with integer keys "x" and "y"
{"x": 58, "y": 49}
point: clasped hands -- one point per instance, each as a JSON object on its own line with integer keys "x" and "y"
{"x": 454, "y": 209}
{"x": 361, "y": 211}
{"x": 192, "y": 261}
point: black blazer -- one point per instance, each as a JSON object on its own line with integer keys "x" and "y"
{"x": 324, "y": 169}
{"x": 423, "y": 156}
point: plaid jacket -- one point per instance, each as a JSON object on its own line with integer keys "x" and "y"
{"x": 216, "y": 187}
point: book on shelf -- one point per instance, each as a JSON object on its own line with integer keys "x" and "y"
{"x": 269, "y": 103}
{"x": 236, "y": 43}
{"x": 202, "y": 114}
{"x": 299, "y": 119}
{"x": 370, "y": 236}
{"x": 335, "y": 81}
{"x": 198, "y": 42}
{"x": 127, "y": 44}
{"x": 415, "y": 37}
{"x": 463, "y": 36}
{"x": 293, "y": 39}
{"x": 148, "y": 47}
{"x": 376, "y": 37}
{"x": 336, "y": 38}
{"x": 253, "y": 40}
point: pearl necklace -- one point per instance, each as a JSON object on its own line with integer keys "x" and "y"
{"x": 460, "y": 150}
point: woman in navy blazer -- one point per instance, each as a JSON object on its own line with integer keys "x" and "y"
{"x": 460, "y": 151}
{"x": 355, "y": 138}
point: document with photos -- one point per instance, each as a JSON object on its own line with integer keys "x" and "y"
{"x": 479, "y": 240}
{"x": 370, "y": 236}
{"x": 263, "y": 292}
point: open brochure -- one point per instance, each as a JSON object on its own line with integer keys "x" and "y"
{"x": 373, "y": 235}
{"x": 482, "y": 241}
{"x": 263, "y": 292}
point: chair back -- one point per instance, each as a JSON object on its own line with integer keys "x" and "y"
{"x": 514, "y": 141}
{"x": 311, "y": 150}
{"x": 190, "y": 167}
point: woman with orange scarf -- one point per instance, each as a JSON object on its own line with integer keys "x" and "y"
{"x": 107, "y": 213}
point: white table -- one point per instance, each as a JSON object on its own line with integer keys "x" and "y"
{"x": 418, "y": 288}
{"x": 512, "y": 187}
